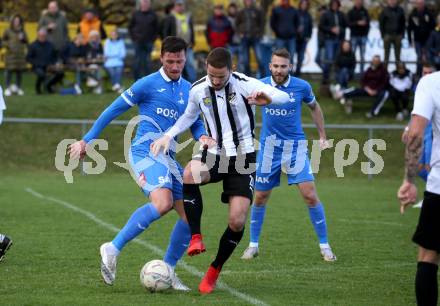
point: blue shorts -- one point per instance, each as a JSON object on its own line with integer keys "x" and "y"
{"x": 293, "y": 161}
{"x": 160, "y": 171}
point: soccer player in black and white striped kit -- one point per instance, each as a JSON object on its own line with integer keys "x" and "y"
{"x": 227, "y": 101}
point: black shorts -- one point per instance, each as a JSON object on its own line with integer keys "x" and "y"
{"x": 427, "y": 233}
{"x": 236, "y": 172}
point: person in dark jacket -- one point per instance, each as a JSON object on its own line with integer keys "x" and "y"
{"x": 374, "y": 83}
{"x": 304, "y": 33}
{"x": 345, "y": 63}
{"x": 143, "y": 29}
{"x": 41, "y": 55}
{"x": 392, "y": 25}
{"x": 219, "y": 29}
{"x": 250, "y": 25}
{"x": 75, "y": 59}
{"x": 180, "y": 23}
{"x": 320, "y": 50}
{"x": 333, "y": 25}
{"x": 284, "y": 23}
{"x": 359, "y": 23}
{"x": 234, "y": 44}
{"x": 433, "y": 45}
{"x": 421, "y": 23}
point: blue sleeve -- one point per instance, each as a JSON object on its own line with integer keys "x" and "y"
{"x": 428, "y": 144}
{"x": 137, "y": 92}
{"x": 118, "y": 107}
{"x": 309, "y": 96}
{"x": 198, "y": 129}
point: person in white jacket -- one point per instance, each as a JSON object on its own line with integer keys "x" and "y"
{"x": 401, "y": 82}
{"x": 2, "y": 105}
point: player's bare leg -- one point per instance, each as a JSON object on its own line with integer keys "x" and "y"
{"x": 317, "y": 217}
{"x": 195, "y": 173}
{"x": 261, "y": 199}
{"x": 238, "y": 209}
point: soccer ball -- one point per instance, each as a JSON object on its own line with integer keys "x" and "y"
{"x": 156, "y": 276}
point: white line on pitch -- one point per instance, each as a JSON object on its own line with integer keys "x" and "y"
{"x": 371, "y": 222}
{"x": 149, "y": 246}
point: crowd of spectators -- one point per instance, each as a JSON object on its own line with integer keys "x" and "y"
{"x": 242, "y": 26}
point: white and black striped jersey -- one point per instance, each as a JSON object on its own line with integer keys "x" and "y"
{"x": 229, "y": 118}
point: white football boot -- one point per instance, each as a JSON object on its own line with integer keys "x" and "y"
{"x": 108, "y": 264}
{"x": 250, "y": 252}
{"x": 327, "y": 253}
{"x": 176, "y": 283}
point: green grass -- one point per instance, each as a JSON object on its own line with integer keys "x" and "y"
{"x": 55, "y": 261}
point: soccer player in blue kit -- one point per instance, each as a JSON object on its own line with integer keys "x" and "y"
{"x": 161, "y": 98}
{"x": 284, "y": 145}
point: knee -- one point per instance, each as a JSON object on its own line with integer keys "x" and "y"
{"x": 261, "y": 198}
{"x": 162, "y": 203}
{"x": 236, "y": 223}
{"x": 311, "y": 199}
{"x": 187, "y": 176}
{"x": 430, "y": 256}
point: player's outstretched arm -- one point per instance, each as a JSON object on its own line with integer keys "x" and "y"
{"x": 115, "y": 109}
{"x": 318, "y": 119}
{"x": 267, "y": 94}
{"x": 78, "y": 149}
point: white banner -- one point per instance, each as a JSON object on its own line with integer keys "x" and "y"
{"x": 374, "y": 47}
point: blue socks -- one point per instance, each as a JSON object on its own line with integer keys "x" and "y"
{"x": 317, "y": 217}
{"x": 138, "y": 222}
{"x": 179, "y": 241}
{"x": 257, "y": 219}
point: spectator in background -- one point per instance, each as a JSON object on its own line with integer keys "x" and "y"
{"x": 75, "y": 59}
{"x": 333, "y": 25}
{"x": 392, "y": 25}
{"x": 94, "y": 59}
{"x": 55, "y": 23}
{"x": 91, "y": 22}
{"x": 234, "y": 43}
{"x": 320, "y": 50}
{"x": 433, "y": 45}
{"x": 345, "y": 63}
{"x": 114, "y": 54}
{"x": 2, "y": 104}
{"x": 421, "y": 23}
{"x": 179, "y": 23}
{"x": 401, "y": 82}
{"x": 15, "y": 42}
{"x": 359, "y": 22}
{"x": 250, "y": 25}
{"x": 143, "y": 29}
{"x": 374, "y": 83}
{"x": 284, "y": 23}
{"x": 304, "y": 33}
{"x": 41, "y": 55}
{"x": 219, "y": 29}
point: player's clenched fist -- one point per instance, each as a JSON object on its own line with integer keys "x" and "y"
{"x": 77, "y": 149}
{"x": 259, "y": 98}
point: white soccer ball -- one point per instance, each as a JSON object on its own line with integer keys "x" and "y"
{"x": 156, "y": 276}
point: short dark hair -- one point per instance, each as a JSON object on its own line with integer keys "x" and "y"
{"x": 219, "y": 58}
{"x": 173, "y": 44}
{"x": 282, "y": 53}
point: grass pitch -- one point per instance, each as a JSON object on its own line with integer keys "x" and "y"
{"x": 57, "y": 229}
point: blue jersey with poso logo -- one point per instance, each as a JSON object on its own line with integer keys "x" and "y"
{"x": 284, "y": 120}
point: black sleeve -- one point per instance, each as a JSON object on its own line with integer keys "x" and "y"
{"x": 131, "y": 26}
{"x": 102, "y": 31}
{"x": 191, "y": 27}
{"x": 382, "y": 20}
{"x": 31, "y": 54}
